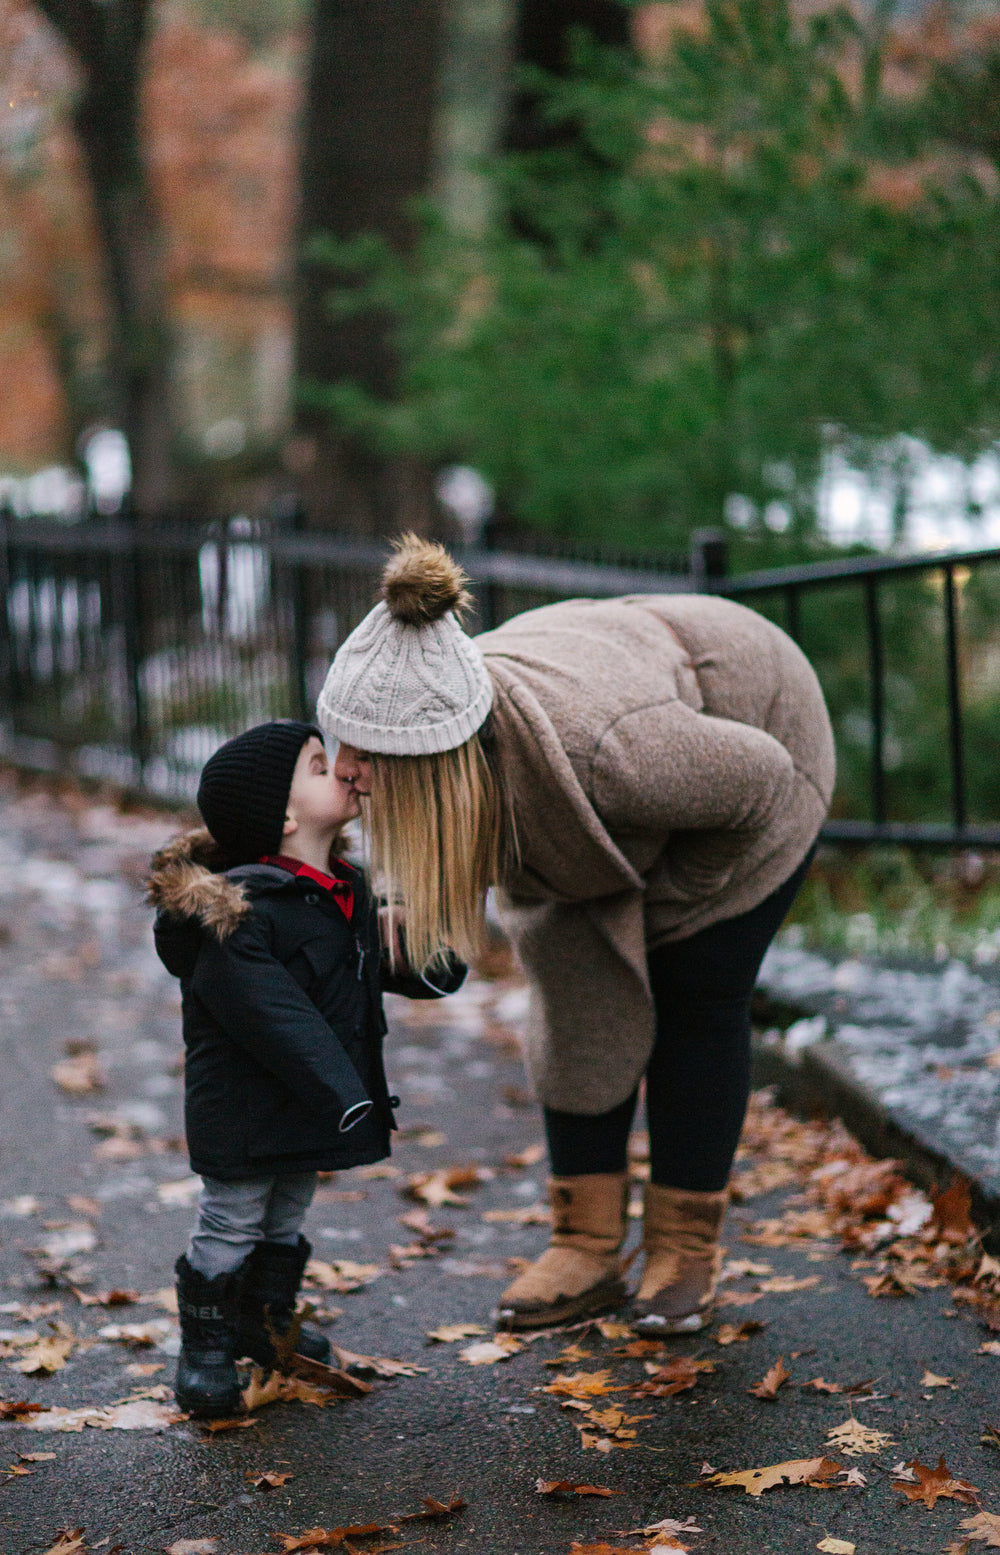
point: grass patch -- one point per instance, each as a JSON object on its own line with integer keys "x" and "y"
{"x": 891, "y": 901}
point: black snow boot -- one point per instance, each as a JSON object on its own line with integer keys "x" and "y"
{"x": 207, "y": 1383}
{"x": 271, "y": 1278}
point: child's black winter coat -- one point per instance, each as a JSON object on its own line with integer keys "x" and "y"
{"x": 282, "y": 1014}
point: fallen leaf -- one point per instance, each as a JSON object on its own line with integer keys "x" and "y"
{"x": 343, "y": 1275}
{"x": 106, "y": 1298}
{"x": 832, "y": 1546}
{"x": 797, "y": 1471}
{"x": 435, "y": 1511}
{"x": 852, "y": 1438}
{"x": 584, "y": 1384}
{"x": 46, "y": 1356}
{"x": 821, "y": 1385}
{"x": 268, "y": 1479}
{"x": 20, "y": 1410}
{"x": 327, "y": 1538}
{"x": 68, "y": 1242}
{"x": 889, "y": 1284}
{"x": 737, "y": 1333}
{"x": 192, "y": 1547}
{"x": 419, "y": 1221}
{"x": 677, "y": 1376}
{"x": 772, "y": 1380}
{"x": 602, "y": 1549}
{"x": 984, "y": 1528}
{"x": 737, "y": 1298}
{"x": 36, "y": 1457}
{"x": 83, "y": 1204}
{"x": 80, "y": 1074}
{"x": 234, "y": 1423}
{"x": 558, "y": 1487}
{"x": 489, "y": 1351}
{"x": 609, "y": 1328}
{"x": 437, "y": 1188}
{"x": 573, "y": 1354}
{"x": 527, "y": 1157}
{"x": 668, "y": 1525}
{"x": 381, "y": 1365}
{"x": 930, "y": 1379}
{"x": 137, "y": 1335}
{"x": 784, "y": 1284}
{"x": 452, "y": 1333}
{"x": 933, "y": 1484}
{"x": 953, "y": 1211}
{"x": 24, "y": 1205}
{"x": 742, "y": 1268}
{"x": 180, "y": 1193}
{"x": 134, "y": 1416}
{"x": 989, "y": 1347}
{"x": 69, "y": 1542}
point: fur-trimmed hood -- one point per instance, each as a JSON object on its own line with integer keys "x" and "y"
{"x": 187, "y": 880}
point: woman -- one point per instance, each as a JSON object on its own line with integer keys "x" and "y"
{"x": 643, "y": 779}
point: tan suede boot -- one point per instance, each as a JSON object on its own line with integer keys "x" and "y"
{"x": 580, "y": 1272}
{"x": 683, "y": 1259}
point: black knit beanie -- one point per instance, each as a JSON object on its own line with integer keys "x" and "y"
{"x": 243, "y": 793}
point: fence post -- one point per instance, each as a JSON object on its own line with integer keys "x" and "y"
{"x": 709, "y": 559}
{"x": 290, "y": 514}
{"x": 128, "y": 586}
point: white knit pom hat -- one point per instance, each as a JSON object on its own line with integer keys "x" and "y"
{"x": 408, "y": 681}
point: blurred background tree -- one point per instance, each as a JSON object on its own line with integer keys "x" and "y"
{"x": 714, "y": 264}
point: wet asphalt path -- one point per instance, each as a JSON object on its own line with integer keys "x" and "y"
{"x": 76, "y": 964}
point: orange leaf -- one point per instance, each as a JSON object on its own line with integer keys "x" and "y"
{"x": 797, "y": 1471}
{"x": 677, "y": 1376}
{"x": 935, "y": 1484}
{"x": 952, "y": 1211}
{"x": 433, "y": 1510}
{"x": 558, "y": 1487}
{"x": 737, "y": 1333}
{"x": 327, "y": 1538}
{"x": 772, "y": 1380}
{"x": 584, "y": 1384}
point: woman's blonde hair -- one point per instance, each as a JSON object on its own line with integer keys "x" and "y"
{"x": 440, "y": 833}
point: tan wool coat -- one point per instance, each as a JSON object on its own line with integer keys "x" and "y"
{"x": 670, "y": 760}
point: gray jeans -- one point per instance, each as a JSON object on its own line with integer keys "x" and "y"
{"x": 234, "y": 1216}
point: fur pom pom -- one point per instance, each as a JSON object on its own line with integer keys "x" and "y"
{"x": 422, "y": 582}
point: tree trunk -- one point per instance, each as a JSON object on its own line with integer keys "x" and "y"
{"x": 367, "y": 151}
{"x": 108, "y": 39}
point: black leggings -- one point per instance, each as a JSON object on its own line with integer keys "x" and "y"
{"x": 698, "y": 1077}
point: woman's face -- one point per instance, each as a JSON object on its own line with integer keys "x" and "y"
{"x": 355, "y": 768}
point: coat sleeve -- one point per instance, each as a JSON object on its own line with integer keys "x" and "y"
{"x": 262, "y": 1009}
{"x": 708, "y": 786}
{"x": 442, "y": 977}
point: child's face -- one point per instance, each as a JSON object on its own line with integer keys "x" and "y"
{"x": 319, "y": 800}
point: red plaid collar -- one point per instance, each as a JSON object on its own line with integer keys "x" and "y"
{"x": 341, "y": 890}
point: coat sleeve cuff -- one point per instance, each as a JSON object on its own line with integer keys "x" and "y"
{"x": 354, "y": 1114}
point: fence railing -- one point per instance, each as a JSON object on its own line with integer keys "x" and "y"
{"x": 129, "y": 654}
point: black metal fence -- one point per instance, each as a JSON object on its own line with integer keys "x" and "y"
{"x": 129, "y": 654}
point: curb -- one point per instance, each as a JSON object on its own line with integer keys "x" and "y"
{"x": 878, "y": 1066}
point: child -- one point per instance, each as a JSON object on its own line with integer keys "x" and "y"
{"x": 276, "y": 945}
